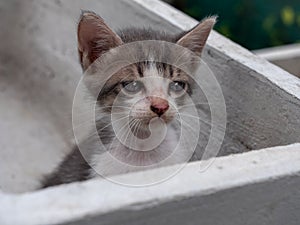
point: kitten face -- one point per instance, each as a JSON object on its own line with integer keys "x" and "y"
{"x": 147, "y": 91}
{"x": 142, "y": 92}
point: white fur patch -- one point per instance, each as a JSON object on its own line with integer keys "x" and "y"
{"x": 105, "y": 165}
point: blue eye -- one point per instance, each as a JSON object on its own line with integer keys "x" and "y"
{"x": 132, "y": 87}
{"x": 177, "y": 86}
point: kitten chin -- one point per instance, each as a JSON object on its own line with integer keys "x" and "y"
{"x": 126, "y": 160}
{"x": 141, "y": 91}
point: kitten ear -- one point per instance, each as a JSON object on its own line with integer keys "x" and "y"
{"x": 94, "y": 38}
{"x": 196, "y": 38}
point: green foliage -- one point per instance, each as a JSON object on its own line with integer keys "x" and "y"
{"x": 252, "y": 23}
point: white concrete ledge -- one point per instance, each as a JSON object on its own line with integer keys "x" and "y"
{"x": 259, "y": 187}
{"x": 279, "y": 53}
{"x": 286, "y": 57}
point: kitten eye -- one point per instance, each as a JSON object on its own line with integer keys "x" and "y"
{"x": 132, "y": 87}
{"x": 177, "y": 86}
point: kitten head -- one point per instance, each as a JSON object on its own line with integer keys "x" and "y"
{"x": 148, "y": 89}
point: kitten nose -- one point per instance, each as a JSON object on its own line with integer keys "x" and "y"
{"x": 159, "y": 106}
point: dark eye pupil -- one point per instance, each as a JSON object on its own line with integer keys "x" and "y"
{"x": 177, "y": 86}
{"x": 132, "y": 87}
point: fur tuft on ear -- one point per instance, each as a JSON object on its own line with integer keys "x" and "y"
{"x": 196, "y": 38}
{"x": 94, "y": 38}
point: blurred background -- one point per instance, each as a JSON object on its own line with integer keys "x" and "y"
{"x": 254, "y": 24}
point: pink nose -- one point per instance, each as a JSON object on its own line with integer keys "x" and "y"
{"x": 159, "y": 105}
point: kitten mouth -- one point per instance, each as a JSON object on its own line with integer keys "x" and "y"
{"x": 140, "y": 127}
{"x": 167, "y": 118}
{"x": 147, "y": 119}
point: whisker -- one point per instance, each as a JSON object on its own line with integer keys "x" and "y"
{"x": 194, "y": 104}
{"x": 132, "y": 133}
{"x": 138, "y": 125}
{"x": 127, "y": 133}
{"x": 191, "y": 116}
{"x": 119, "y": 143}
{"x": 112, "y": 122}
{"x": 114, "y": 106}
{"x": 118, "y": 113}
{"x": 98, "y": 110}
{"x": 137, "y": 130}
{"x": 187, "y": 124}
{"x": 102, "y": 128}
{"x": 124, "y": 126}
{"x": 133, "y": 125}
{"x": 203, "y": 120}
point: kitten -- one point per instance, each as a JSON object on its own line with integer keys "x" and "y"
{"x": 126, "y": 87}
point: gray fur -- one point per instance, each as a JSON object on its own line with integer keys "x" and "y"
{"x": 75, "y": 167}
